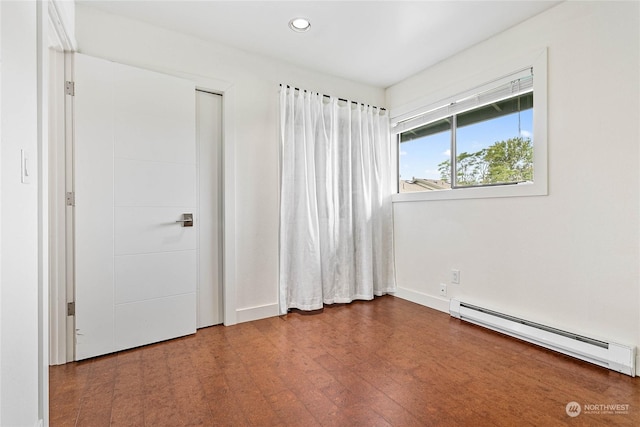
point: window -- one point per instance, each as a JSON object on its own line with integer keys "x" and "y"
{"x": 486, "y": 142}
{"x": 486, "y": 139}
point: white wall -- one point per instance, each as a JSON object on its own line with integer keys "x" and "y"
{"x": 569, "y": 259}
{"x": 19, "y": 366}
{"x": 255, "y": 80}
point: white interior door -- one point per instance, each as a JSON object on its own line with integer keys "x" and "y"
{"x": 135, "y": 176}
{"x": 209, "y": 147}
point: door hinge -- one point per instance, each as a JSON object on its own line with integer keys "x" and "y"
{"x": 71, "y": 308}
{"x": 70, "y": 198}
{"x": 69, "y": 88}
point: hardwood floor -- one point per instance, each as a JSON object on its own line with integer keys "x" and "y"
{"x": 386, "y": 362}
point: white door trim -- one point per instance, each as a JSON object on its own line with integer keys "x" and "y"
{"x": 56, "y": 190}
{"x": 59, "y": 36}
{"x": 228, "y": 92}
{"x": 61, "y": 290}
{"x": 55, "y": 33}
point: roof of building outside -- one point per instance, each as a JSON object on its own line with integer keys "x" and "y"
{"x": 422, "y": 184}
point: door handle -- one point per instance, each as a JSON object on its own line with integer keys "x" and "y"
{"x": 187, "y": 220}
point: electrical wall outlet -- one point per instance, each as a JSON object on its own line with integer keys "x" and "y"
{"x": 455, "y": 276}
{"x": 443, "y": 289}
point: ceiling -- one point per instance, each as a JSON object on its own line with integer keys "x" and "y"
{"x": 375, "y": 42}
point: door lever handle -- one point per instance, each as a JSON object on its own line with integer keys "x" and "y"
{"x": 187, "y": 220}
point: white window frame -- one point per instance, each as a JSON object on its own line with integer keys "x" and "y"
{"x": 539, "y": 186}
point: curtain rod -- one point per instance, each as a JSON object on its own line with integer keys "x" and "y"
{"x": 339, "y": 99}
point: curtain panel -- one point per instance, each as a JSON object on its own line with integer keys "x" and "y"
{"x": 336, "y": 242}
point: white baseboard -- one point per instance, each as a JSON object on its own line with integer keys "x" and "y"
{"x": 437, "y": 303}
{"x": 256, "y": 313}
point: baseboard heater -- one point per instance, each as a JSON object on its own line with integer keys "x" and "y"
{"x": 616, "y": 357}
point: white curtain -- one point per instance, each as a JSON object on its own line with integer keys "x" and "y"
{"x": 336, "y": 241}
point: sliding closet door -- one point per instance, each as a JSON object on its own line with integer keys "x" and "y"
{"x": 135, "y": 183}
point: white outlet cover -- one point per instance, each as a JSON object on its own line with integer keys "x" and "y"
{"x": 443, "y": 289}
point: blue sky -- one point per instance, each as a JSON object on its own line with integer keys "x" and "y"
{"x": 419, "y": 158}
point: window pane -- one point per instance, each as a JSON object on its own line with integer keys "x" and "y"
{"x": 494, "y": 143}
{"x": 422, "y": 152}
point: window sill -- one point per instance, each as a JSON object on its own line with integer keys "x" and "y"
{"x": 518, "y": 190}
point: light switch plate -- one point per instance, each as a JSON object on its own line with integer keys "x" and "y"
{"x": 455, "y": 276}
{"x": 25, "y": 168}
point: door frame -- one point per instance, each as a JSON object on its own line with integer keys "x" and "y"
{"x": 62, "y": 331}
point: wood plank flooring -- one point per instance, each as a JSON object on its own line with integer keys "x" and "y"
{"x": 386, "y": 362}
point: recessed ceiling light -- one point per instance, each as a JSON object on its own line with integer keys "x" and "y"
{"x": 299, "y": 24}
